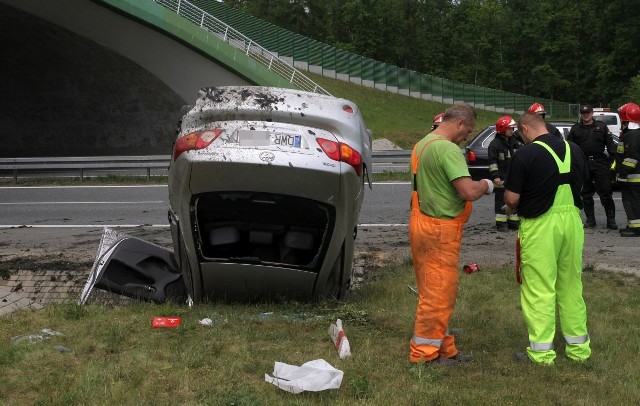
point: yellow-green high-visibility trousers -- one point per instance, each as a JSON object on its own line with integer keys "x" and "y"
{"x": 551, "y": 265}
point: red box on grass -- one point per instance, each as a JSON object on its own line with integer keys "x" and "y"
{"x": 159, "y": 322}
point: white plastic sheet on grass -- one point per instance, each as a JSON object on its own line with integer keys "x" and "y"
{"x": 313, "y": 376}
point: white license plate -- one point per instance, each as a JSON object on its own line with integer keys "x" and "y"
{"x": 249, "y": 138}
{"x": 288, "y": 140}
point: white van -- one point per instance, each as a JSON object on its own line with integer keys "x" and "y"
{"x": 610, "y": 118}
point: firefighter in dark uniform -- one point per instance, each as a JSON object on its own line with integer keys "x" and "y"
{"x": 501, "y": 151}
{"x": 538, "y": 109}
{"x": 593, "y": 137}
{"x": 628, "y": 168}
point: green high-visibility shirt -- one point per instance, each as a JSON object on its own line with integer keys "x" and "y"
{"x": 440, "y": 163}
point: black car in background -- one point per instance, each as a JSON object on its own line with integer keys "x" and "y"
{"x": 476, "y": 152}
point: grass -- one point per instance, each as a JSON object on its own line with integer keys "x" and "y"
{"x": 116, "y": 358}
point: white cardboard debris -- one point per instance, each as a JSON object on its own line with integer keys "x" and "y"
{"x": 314, "y": 376}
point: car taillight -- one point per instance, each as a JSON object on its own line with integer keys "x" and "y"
{"x": 471, "y": 156}
{"x": 195, "y": 140}
{"x": 339, "y": 151}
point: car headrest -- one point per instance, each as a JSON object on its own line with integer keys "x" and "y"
{"x": 260, "y": 237}
{"x": 224, "y": 235}
{"x": 298, "y": 240}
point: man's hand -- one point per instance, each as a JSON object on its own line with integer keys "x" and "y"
{"x": 498, "y": 182}
{"x": 508, "y": 210}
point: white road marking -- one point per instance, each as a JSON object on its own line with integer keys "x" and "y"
{"x": 5, "y": 226}
{"x": 106, "y": 202}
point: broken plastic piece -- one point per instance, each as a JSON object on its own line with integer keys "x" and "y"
{"x": 206, "y": 321}
{"x": 34, "y": 338}
{"x": 340, "y": 339}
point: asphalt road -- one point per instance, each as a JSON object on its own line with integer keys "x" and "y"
{"x": 99, "y": 206}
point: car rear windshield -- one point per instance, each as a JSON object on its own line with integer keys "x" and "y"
{"x": 249, "y": 227}
{"x": 608, "y": 120}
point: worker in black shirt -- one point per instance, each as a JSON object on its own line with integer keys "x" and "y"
{"x": 593, "y": 137}
{"x": 544, "y": 185}
{"x": 500, "y": 152}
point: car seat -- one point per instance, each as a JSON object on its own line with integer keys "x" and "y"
{"x": 262, "y": 245}
{"x": 224, "y": 241}
{"x": 297, "y": 248}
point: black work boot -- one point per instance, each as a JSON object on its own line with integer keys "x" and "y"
{"x": 589, "y": 213}
{"x": 629, "y": 232}
{"x": 513, "y": 225}
{"x": 590, "y": 223}
{"x": 611, "y": 219}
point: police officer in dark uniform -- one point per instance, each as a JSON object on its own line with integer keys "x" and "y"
{"x": 593, "y": 137}
{"x": 501, "y": 150}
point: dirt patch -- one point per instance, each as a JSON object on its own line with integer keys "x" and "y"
{"x": 68, "y": 253}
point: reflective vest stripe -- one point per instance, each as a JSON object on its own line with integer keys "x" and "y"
{"x": 631, "y": 163}
{"x": 633, "y": 178}
{"x": 493, "y": 167}
{"x": 541, "y": 346}
{"x": 514, "y": 217}
{"x": 633, "y": 223}
{"x": 501, "y": 217}
{"x": 577, "y": 340}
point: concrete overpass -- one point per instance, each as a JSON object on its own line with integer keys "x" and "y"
{"x": 105, "y": 77}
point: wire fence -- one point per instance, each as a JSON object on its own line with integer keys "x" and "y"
{"x": 236, "y": 39}
{"x": 317, "y": 57}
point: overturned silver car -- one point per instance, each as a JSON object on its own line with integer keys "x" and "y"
{"x": 265, "y": 190}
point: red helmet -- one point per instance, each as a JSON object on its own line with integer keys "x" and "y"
{"x": 503, "y": 123}
{"x": 537, "y": 108}
{"x": 630, "y": 112}
{"x": 438, "y": 118}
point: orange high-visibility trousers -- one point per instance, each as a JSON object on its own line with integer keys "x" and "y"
{"x": 435, "y": 248}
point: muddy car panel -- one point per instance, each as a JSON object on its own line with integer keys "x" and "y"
{"x": 141, "y": 270}
{"x": 263, "y": 211}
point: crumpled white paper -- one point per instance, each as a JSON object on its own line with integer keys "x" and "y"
{"x": 314, "y": 376}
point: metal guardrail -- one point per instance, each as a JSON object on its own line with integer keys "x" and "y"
{"x": 236, "y": 39}
{"x": 80, "y": 165}
{"x": 54, "y": 166}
